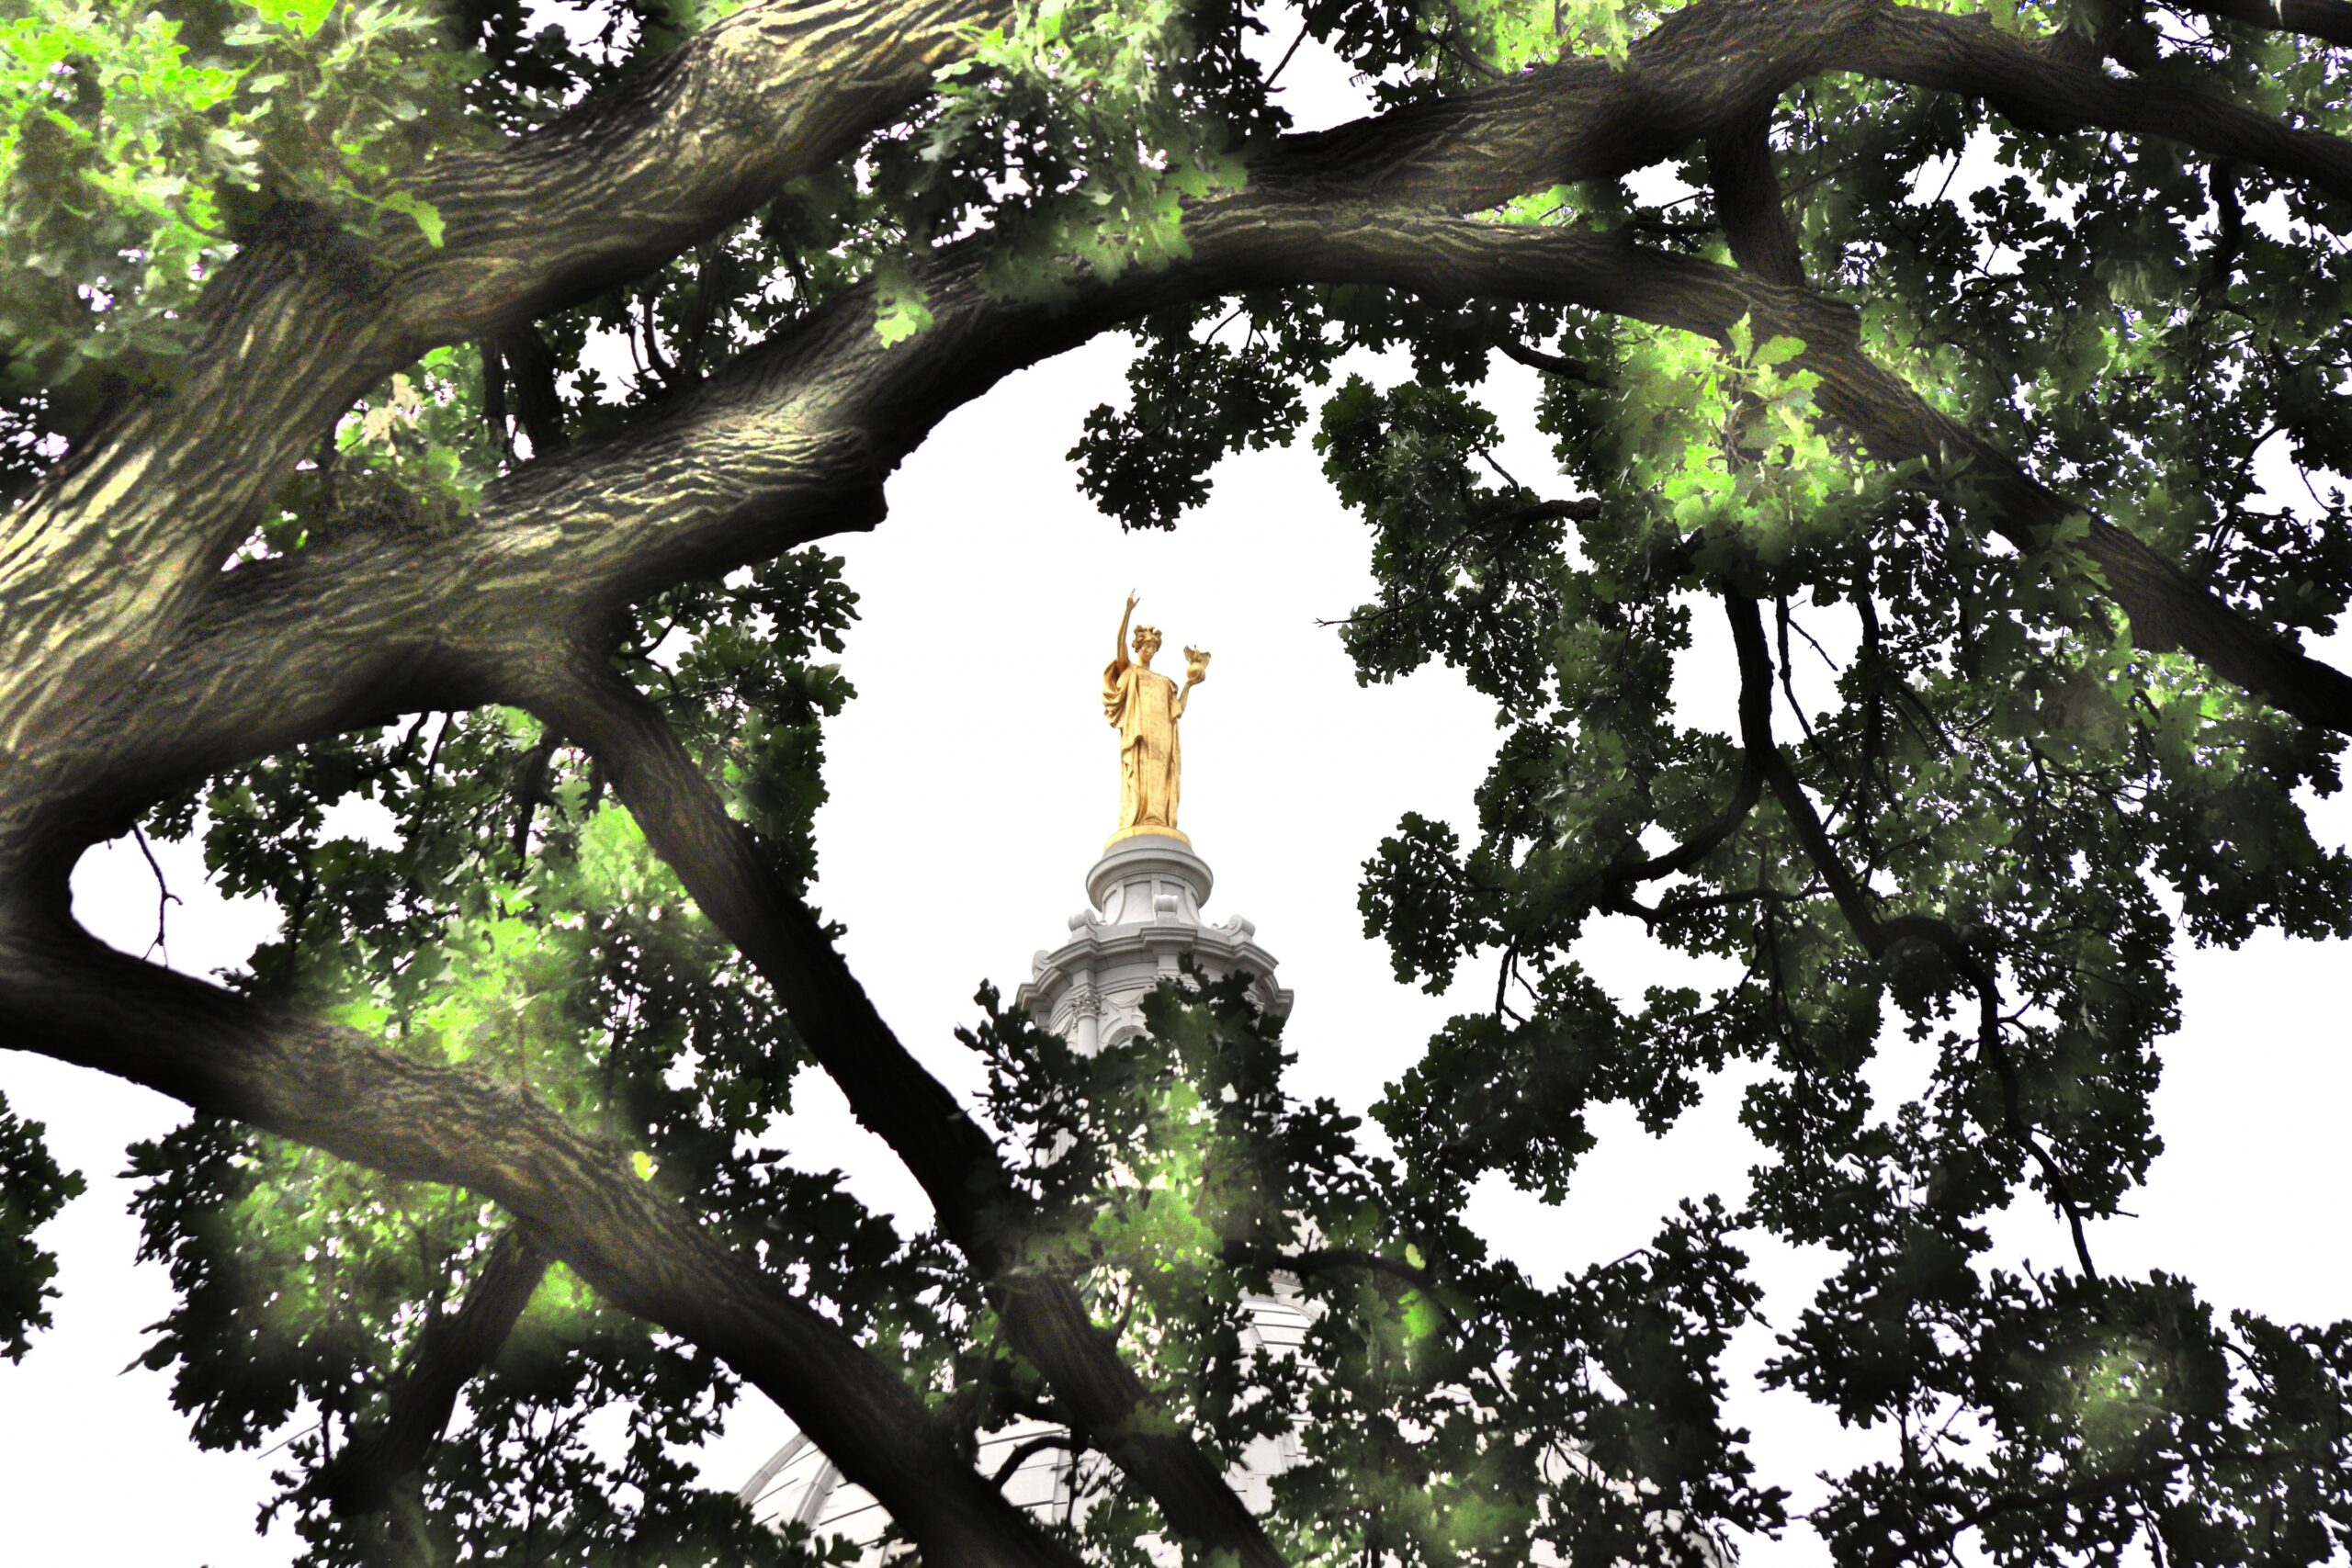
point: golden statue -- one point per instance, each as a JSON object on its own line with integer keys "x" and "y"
{"x": 1145, "y": 706}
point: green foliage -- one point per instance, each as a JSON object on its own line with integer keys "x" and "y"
{"x": 1079, "y": 127}
{"x": 32, "y": 1190}
{"x": 135, "y": 145}
{"x": 1983, "y": 823}
{"x": 1430, "y": 1402}
{"x": 1193, "y": 403}
{"x": 516, "y": 923}
{"x": 1982, "y": 748}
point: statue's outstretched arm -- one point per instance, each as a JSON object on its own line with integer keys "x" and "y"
{"x": 1197, "y": 669}
{"x": 1119, "y": 644}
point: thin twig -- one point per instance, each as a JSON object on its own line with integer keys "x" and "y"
{"x": 1283, "y": 64}
{"x": 1788, "y": 666}
{"x": 1487, "y": 457}
{"x": 163, "y": 895}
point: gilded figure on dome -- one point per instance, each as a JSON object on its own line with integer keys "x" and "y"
{"x": 1143, "y": 706}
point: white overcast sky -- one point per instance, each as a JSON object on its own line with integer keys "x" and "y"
{"x": 993, "y": 577}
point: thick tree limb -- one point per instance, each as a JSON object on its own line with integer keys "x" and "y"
{"x": 806, "y": 428}
{"x": 133, "y": 664}
{"x": 1747, "y": 202}
{"x": 791, "y": 443}
{"x": 111, "y": 552}
{"x": 1711, "y": 65}
{"x": 574, "y": 1194}
{"x": 453, "y": 1347}
{"x": 532, "y": 365}
{"x": 2328, "y": 19}
{"x": 893, "y": 1095}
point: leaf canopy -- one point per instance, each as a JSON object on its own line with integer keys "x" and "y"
{"x": 1883, "y": 386}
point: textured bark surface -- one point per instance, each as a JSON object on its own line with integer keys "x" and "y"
{"x": 895, "y": 1097}
{"x": 116, "y": 549}
{"x": 130, "y": 665}
{"x": 571, "y": 1193}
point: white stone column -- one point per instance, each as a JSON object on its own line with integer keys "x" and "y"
{"x": 1086, "y": 1014}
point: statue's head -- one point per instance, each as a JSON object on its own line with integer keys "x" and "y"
{"x": 1147, "y": 643}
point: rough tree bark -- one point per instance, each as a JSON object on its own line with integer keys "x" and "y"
{"x": 130, "y": 664}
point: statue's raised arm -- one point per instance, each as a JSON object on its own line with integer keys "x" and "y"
{"x": 1119, "y": 643}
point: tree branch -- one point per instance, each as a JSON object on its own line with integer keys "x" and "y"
{"x": 571, "y": 1193}
{"x": 1880, "y": 936}
{"x": 1327, "y": 1259}
{"x": 164, "y": 897}
{"x": 538, "y": 407}
{"x": 802, "y": 430}
{"x": 791, "y": 441}
{"x": 453, "y": 1347}
{"x": 891, "y": 1094}
{"x": 109, "y": 555}
{"x": 1025, "y": 1452}
{"x": 1550, "y": 364}
{"x": 1747, "y": 202}
{"x": 2328, "y": 19}
{"x": 1713, "y": 65}
{"x": 135, "y": 664}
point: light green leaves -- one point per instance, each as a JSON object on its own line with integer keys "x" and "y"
{"x": 1727, "y": 441}
{"x": 426, "y": 217}
{"x": 133, "y": 142}
{"x": 1605, "y": 27}
{"x": 899, "y": 311}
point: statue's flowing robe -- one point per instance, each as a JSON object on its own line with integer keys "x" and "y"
{"x": 1143, "y": 705}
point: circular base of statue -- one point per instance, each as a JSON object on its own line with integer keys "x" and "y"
{"x": 1147, "y": 830}
{"x": 1141, "y": 866}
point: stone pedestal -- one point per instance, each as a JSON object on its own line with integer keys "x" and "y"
{"x": 1143, "y": 915}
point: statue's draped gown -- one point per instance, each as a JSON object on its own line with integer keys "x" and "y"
{"x": 1142, "y": 704}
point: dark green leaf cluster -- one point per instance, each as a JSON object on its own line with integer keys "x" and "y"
{"x": 509, "y": 917}
{"x": 1425, "y": 1416}
{"x": 1193, "y": 403}
{"x": 32, "y": 1190}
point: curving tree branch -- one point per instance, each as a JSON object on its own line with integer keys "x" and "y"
{"x": 893, "y": 1095}
{"x": 794, "y": 439}
{"x": 130, "y": 664}
{"x": 792, "y": 443}
{"x": 453, "y": 1347}
{"x": 1880, "y": 934}
{"x": 572, "y": 1192}
{"x": 111, "y": 553}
